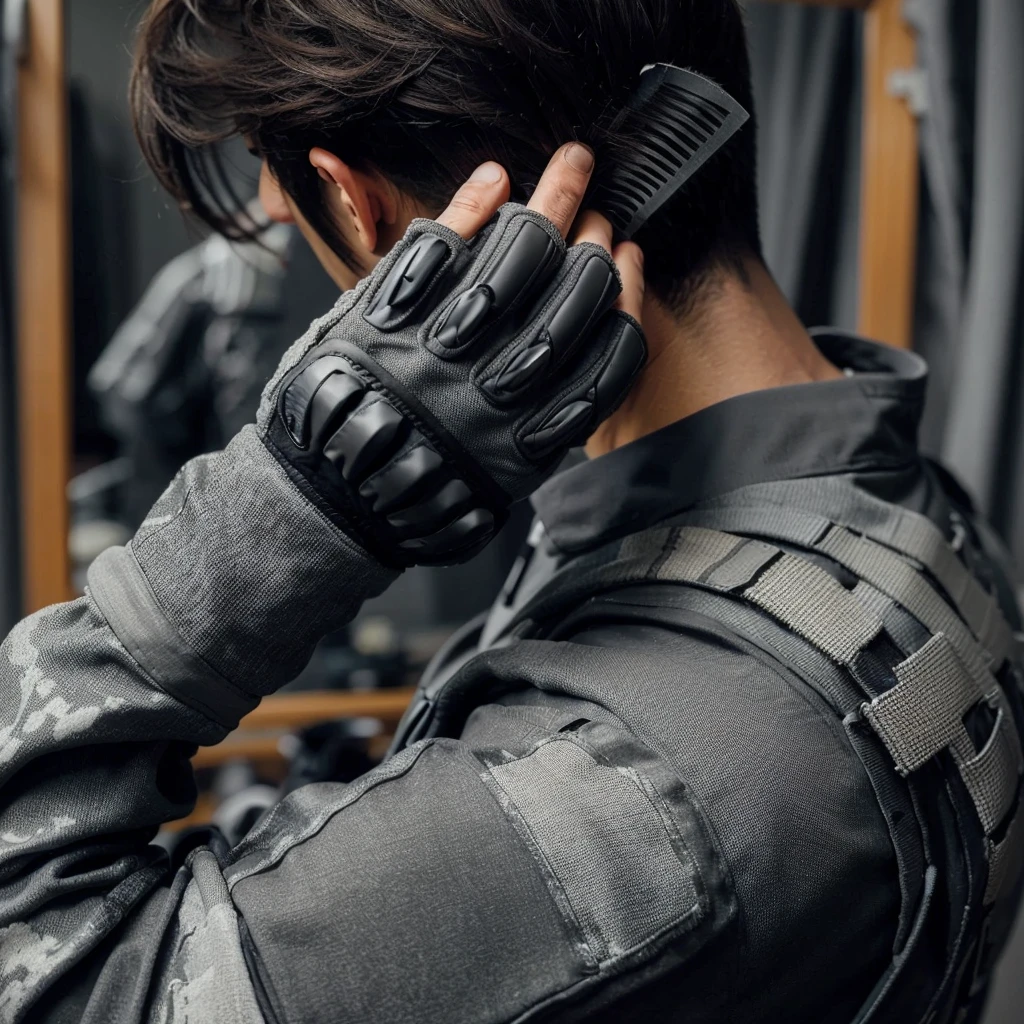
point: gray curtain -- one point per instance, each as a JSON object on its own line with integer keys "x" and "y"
{"x": 982, "y": 438}
{"x": 969, "y": 313}
{"x": 806, "y": 69}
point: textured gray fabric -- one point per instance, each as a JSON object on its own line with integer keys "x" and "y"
{"x": 204, "y": 977}
{"x": 68, "y": 883}
{"x": 689, "y": 554}
{"x": 992, "y": 774}
{"x": 248, "y": 571}
{"x": 742, "y": 566}
{"x": 905, "y": 585}
{"x": 745, "y": 736}
{"x": 923, "y": 713}
{"x": 603, "y": 833}
{"x": 815, "y": 606}
{"x": 123, "y": 594}
{"x": 905, "y": 630}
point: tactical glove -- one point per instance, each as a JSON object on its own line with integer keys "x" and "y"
{"x": 450, "y": 383}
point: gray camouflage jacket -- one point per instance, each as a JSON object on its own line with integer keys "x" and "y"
{"x": 632, "y": 822}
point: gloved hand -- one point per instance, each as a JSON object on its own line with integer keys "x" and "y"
{"x": 451, "y": 382}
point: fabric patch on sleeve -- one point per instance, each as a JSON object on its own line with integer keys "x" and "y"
{"x": 607, "y": 843}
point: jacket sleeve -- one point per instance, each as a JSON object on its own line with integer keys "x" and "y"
{"x": 540, "y": 855}
{"x": 217, "y": 601}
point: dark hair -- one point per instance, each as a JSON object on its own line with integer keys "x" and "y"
{"x": 424, "y": 90}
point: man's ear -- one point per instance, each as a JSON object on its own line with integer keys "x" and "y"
{"x": 365, "y": 197}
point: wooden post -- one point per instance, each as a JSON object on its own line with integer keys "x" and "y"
{"x": 43, "y": 325}
{"x": 889, "y": 178}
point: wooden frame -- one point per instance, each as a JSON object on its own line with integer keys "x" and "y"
{"x": 890, "y": 179}
{"x": 43, "y": 296}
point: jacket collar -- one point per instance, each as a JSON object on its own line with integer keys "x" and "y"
{"x": 867, "y": 420}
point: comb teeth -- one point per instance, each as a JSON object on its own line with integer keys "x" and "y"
{"x": 674, "y": 123}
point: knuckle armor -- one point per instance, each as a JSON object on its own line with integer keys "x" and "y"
{"x": 418, "y": 507}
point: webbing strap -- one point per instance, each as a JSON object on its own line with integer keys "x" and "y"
{"x": 923, "y": 713}
{"x": 908, "y": 634}
{"x": 817, "y": 607}
{"x": 991, "y": 775}
{"x": 873, "y": 562}
{"x": 1004, "y": 860}
{"x": 899, "y": 580}
{"x": 800, "y": 595}
{"x": 801, "y": 511}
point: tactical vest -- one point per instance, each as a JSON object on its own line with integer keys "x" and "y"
{"x": 874, "y": 608}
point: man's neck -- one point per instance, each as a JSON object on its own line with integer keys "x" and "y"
{"x": 741, "y": 336}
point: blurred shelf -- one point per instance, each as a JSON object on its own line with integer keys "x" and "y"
{"x": 258, "y": 736}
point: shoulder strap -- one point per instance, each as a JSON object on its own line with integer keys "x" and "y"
{"x": 804, "y": 512}
{"x": 917, "y": 710}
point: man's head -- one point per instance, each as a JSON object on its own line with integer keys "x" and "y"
{"x": 369, "y": 111}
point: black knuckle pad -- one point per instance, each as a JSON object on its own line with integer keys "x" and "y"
{"x": 313, "y": 395}
{"x": 529, "y": 253}
{"x": 365, "y": 439}
{"x": 396, "y": 485}
{"x": 435, "y": 511}
{"x": 465, "y": 535}
{"x": 627, "y": 360}
{"x": 522, "y": 371}
{"x": 560, "y": 428}
{"x": 591, "y": 295}
{"x": 407, "y": 281}
{"x": 333, "y": 398}
{"x": 592, "y": 292}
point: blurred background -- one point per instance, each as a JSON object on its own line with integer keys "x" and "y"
{"x": 892, "y": 183}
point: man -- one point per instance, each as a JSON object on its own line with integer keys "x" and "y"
{"x": 738, "y": 741}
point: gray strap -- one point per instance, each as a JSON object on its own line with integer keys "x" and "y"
{"x": 991, "y": 775}
{"x": 899, "y": 580}
{"x": 809, "y": 601}
{"x": 923, "y": 713}
{"x": 916, "y": 536}
{"x": 1004, "y": 860}
{"x": 833, "y": 501}
{"x": 908, "y": 634}
{"x": 688, "y": 554}
{"x": 799, "y": 594}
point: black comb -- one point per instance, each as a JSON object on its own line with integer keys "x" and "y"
{"x": 673, "y": 124}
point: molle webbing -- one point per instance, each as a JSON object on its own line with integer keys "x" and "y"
{"x": 920, "y": 711}
{"x": 803, "y": 512}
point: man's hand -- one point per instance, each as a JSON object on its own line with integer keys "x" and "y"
{"x": 454, "y": 378}
{"x": 558, "y": 196}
